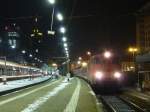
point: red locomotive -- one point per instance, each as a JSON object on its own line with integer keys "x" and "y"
{"x": 103, "y": 70}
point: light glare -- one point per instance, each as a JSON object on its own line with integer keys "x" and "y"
{"x": 62, "y": 30}
{"x": 65, "y": 45}
{"x": 107, "y": 54}
{"x": 98, "y": 75}
{"x": 60, "y": 17}
{"x": 117, "y": 75}
{"x": 64, "y": 39}
{"x": 51, "y": 1}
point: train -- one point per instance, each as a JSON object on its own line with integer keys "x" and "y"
{"x": 103, "y": 70}
{"x": 13, "y": 70}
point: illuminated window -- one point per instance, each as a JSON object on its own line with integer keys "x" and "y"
{"x": 12, "y": 43}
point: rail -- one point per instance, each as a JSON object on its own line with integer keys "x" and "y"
{"x": 115, "y": 104}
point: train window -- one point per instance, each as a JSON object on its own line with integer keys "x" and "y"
{"x": 96, "y": 60}
{"x": 116, "y": 61}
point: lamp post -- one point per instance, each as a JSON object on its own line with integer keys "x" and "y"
{"x": 133, "y": 50}
{"x": 52, "y": 2}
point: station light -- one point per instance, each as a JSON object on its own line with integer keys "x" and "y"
{"x": 84, "y": 64}
{"x": 66, "y": 49}
{"x": 62, "y": 30}
{"x": 67, "y": 52}
{"x": 51, "y": 32}
{"x": 79, "y": 62}
{"x": 89, "y": 53}
{"x": 51, "y": 1}
{"x": 23, "y": 51}
{"x": 31, "y": 55}
{"x": 80, "y": 58}
{"x": 60, "y": 17}
{"x": 64, "y": 39}
{"x": 131, "y": 49}
{"x": 32, "y": 35}
{"x": 54, "y": 65}
{"x": 65, "y": 45}
{"x": 40, "y": 34}
{"x": 36, "y": 50}
{"x": 13, "y": 46}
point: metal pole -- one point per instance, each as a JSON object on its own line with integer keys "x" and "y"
{"x": 133, "y": 56}
{"x": 4, "y": 76}
{"x": 5, "y": 67}
{"x": 68, "y": 65}
{"x": 52, "y": 18}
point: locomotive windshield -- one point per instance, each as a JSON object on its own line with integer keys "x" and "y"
{"x": 100, "y": 60}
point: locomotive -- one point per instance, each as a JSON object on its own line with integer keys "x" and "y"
{"x": 102, "y": 70}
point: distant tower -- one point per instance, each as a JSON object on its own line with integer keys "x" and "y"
{"x": 36, "y": 33}
{"x": 36, "y": 36}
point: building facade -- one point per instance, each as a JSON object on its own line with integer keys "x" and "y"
{"x": 143, "y": 29}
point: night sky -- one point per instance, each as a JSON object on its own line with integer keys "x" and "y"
{"x": 91, "y": 25}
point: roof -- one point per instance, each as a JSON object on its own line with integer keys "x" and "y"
{"x": 143, "y": 58}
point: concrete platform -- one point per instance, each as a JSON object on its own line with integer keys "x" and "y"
{"x": 53, "y": 96}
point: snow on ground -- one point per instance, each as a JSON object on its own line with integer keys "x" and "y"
{"x": 36, "y": 104}
{"x": 21, "y": 83}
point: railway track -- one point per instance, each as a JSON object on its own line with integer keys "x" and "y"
{"x": 141, "y": 105}
{"x": 116, "y": 104}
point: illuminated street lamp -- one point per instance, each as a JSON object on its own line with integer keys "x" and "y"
{"x": 30, "y": 55}
{"x": 84, "y": 64}
{"x": 80, "y": 58}
{"x": 133, "y": 50}
{"x": 66, "y": 49}
{"x": 88, "y": 53}
{"x": 67, "y": 52}
{"x": 54, "y": 65}
{"x": 60, "y": 17}
{"x": 65, "y": 45}
{"x": 23, "y": 51}
{"x": 62, "y": 30}
{"x": 51, "y": 1}
{"x": 79, "y": 62}
{"x": 36, "y": 50}
{"x": 13, "y": 46}
{"x": 64, "y": 39}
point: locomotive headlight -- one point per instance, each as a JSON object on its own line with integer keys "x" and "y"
{"x": 98, "y": 75}
{"x": 117, "y": 75}
{"x": 107, "y": 54}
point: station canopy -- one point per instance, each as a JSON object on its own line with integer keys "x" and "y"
{"x": 143, "y": 58}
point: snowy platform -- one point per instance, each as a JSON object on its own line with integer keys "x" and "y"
{"x": 18, "y": 84}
